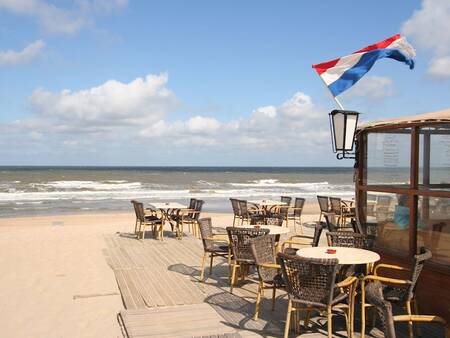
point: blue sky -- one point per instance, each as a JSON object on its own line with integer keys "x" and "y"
{"x": 97, "y": 82}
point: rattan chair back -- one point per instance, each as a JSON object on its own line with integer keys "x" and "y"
{"x": 276, "y": 220}
{"x": 309, "y": 281}
{"x": 318, "y": 228}
{"x": 374, "y": 295}
{"x": 417, "y": 266}
{"x": 324, "y": 203}
{"x": 133, "y": 202}
{"x": 330, "y": 221}
{"x": 347, "y": 239}
{"x": 206, "y": 233}
{"x": 243, "y": 208}
{"x": 192, "y": 203}
{"x": 286, "y": 199}
{"x": 298, "y": 206}
{"x": 240, "y": 241}
{"x": 235, "y": 206}
{"x": 335, "y": 205}
{"x": 263, "y": 250}
{"x": 198, "y": 209}
{"x": 139, "y": 209}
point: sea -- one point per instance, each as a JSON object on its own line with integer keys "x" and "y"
{"x": 30, "y": 191}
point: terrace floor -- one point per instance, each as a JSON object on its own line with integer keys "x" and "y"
{"x": 163, "y": 296}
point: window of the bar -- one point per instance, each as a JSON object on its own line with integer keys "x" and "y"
{"x": 388, "y": 220}
{"x": 434, "y": 162}
{"x": 433, "y": 227}
{"x": 388, "y": 158}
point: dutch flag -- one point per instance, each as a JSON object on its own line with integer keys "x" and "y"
{"x": 340, "y": 74}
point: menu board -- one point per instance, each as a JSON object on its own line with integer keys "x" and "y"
{"x": 390, "y": 150}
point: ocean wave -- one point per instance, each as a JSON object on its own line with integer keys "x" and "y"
{"x": 91, "y": 195}
{"x": 271, "y": 183}
{"x": 89, "y": 185}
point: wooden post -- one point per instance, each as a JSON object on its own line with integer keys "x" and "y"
{"x": 414, "y": 183}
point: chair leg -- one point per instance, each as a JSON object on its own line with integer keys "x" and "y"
{"x": 274, "y": 294}
{"x": 143, "y": 232}
{"x": 363, "y": 310}
{"x": 211, "y": 264}
{"x": 416, "y": 311}
{"x": 288, "y": 319}
{"x": 410, "y": 323}
{"x": 229, "y": 264}
{"x": 347, "y": 314}
{"x": 258, "y": 300}
{"x": 233, "y": 277}
{"x": 330, "y": 322}
{"x": 307, "y": 316}
{"x": 202, "y": 275}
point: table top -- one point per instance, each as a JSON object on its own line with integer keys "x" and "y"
{"x": 273, "y": 229}
{"x": 267, "y": 202}
{"x": 167, "y": 205}
{"x": 345, "y": 256}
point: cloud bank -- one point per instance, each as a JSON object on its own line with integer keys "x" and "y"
{"x": 142, "y": 112}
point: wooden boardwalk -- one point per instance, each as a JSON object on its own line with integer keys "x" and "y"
{"x": 163, "y": 297}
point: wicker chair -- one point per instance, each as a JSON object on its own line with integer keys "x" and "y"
{"x": 213, "y": 245}
{"x": 330, "y": 220}
{"x": 374, "y": 295}
{"x": 149, "y": 214}
{"x": 236, "y": 212}
{"x": 240, "y": 247}
{"x": 261, "y": 219}
{"x": 247, "y": 212}
{"x": 342, "y": 210}
{"x": 295, "y": 213}
{"x": 148, "y": 221}
{"x": 303, "y": 240}
{"x": 324, "y": 205}
{"x": 404, "y": 292}
{"x": 347, "y": 239}
{"x": 310, "y": 284}
{"x": 269, "y": 273}
{"x": 189, "y": 217}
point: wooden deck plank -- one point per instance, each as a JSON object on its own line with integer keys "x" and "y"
{"x": 178, "y": 321}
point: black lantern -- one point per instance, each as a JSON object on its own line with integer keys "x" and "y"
{"x": 343, "y": 125}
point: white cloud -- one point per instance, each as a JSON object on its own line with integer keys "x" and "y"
{"x": 112, "y": 103}
{"x": 440, "y": 67}
{"x": 371, "y": 87}
{"x": 56, "y": 19}
{"x": 11, "y": 57}
{"x": 429, "y": 28}
{"x": 299, "y": 105}
{"x": 118, "y": 117}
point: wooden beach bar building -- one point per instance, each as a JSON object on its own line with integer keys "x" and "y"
{"x": 402, "y": 188}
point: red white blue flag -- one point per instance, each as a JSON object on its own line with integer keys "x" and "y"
{"x": 340, "y": 74}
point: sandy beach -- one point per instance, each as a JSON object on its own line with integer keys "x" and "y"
{"x": 55, "y": 280}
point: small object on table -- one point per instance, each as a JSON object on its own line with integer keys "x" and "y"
{"x": 331, "y": 251}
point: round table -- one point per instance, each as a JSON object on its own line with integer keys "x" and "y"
{"x": 345, "y": 256}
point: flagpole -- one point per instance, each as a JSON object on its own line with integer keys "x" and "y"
{"x": 334, "y": 97}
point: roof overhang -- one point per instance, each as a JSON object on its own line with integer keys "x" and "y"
{"x": 428, "y": 118}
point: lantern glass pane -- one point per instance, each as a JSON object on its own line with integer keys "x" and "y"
{"x": 338, "y": 124}
{"x": 350, "y": 131}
